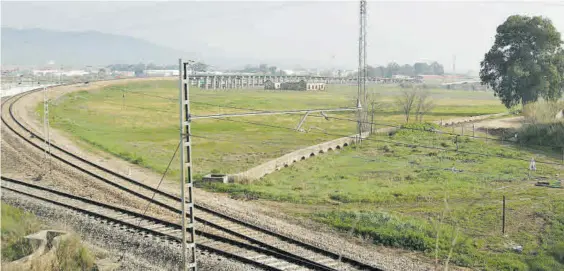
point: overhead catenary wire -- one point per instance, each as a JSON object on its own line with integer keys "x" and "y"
{"x": 395, "y": 142}
{"x": 155, "y": 192}
{"x": 401, "y": 127}
{"x": 365, "y": 122}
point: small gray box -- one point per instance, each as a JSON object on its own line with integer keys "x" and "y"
{"x": 223, "y": 178}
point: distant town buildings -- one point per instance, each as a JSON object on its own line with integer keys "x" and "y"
{"x": 60, "y": 72}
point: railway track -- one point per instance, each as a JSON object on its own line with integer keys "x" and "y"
{"x": 217, "y": 221}
{"x": 224, "y": 245}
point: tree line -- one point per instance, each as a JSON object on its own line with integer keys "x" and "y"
{"x": 394, "y": 68}
{"x": 262, "y": 68}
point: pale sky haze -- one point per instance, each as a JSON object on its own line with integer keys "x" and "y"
{"x": 314, "y": 34}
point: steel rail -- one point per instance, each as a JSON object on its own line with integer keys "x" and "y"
{"x": 171, "y": 196}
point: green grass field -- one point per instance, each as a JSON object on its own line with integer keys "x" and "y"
{"x": 144, "y": 129}
{"x": 402, "y": 196}
{"x": 387, "y": 193}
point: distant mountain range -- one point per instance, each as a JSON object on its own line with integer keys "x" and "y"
{"x": 31, "y": 47}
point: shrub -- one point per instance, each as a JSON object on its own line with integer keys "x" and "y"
{"x": 72, "y": 255}
{"x": 16, "y": 224}
{"x": 547, "y": 134}
{"x": 542, "y": 112}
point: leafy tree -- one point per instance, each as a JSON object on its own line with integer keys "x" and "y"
{"x": 371, "y": 71}
{"x": 437, "y": 69}
{"x": 263, "y": 68}
{"x": 406, "y": 70}
{"x": 272, "y": 69}
{"x": 421, "y": 68}
{"x": 526, "y": 61}
{"x": 139, "y": 69}
{"x": 381, "y": 71}
{"x": 392, "y": 69}
{"x": 200, "y": 67}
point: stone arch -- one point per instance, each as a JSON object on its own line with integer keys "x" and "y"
{"x": 312, "y": 154}
{"x": 338, "y": 147}
{"x": 330, "y": 149}
{"x": 346, "y": 144}
{"x": 321, "y": 151}
{"x": 303, "y": 158}
{"x": 294, "y": 161}
{"x": 285, "y": 165}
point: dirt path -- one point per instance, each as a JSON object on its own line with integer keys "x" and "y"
{"x": 512, "y": 122}
{"x": 252, "y": 212}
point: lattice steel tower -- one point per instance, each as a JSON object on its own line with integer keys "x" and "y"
{"x": 361, "y": 95}
{"x": 186, "y": 178}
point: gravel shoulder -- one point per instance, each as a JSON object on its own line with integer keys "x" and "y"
{"x": 253, "y": 212}
{"x": 113, "y": 242}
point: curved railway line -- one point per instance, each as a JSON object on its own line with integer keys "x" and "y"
{"x": 286, "y": 253}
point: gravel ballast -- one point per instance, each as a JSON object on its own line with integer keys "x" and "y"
{"x": 141, "y": 252}
{"x": 252, "y": 212}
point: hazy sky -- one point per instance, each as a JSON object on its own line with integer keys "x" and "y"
{"x": 316, "y": 33}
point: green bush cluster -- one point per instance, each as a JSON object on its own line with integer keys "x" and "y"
{"x": 15, "y": 225}
{"x": 544, "y": 134}
{"x": 72, "y": 255}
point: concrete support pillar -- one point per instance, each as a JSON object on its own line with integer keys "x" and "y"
{"x": 213, "y": 82}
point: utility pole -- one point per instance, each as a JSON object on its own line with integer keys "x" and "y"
{"x": 454, "y": 64}
{"x": 361, "y": 81}
{"x": 46, "y": 132}
{"x": 186, "y": 183}
{"x": 372, "y": 119}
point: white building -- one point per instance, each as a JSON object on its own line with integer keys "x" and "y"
{"x": 161, "y": 72}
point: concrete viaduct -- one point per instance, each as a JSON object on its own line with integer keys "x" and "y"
{"x": 233, "y": 81}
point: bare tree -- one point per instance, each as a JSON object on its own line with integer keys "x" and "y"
{"x": 374, "y": 103}
{"x": 405, "y": 101}
{"x": 424, "y": 104}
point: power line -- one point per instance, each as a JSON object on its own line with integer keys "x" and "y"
{"x": 140, "y": 107}
{"x": 395, "y": 142}
{"x": 150, "y": 95}
{"x": 400, "y": 127}
{"x": 155, "y": 192}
